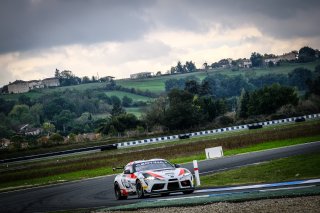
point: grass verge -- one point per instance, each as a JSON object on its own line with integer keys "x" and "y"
{"x": 253, "y": 148}
{"x": 285, "y": 169}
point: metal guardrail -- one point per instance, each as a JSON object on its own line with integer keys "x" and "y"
{"x": 50, "y": 154}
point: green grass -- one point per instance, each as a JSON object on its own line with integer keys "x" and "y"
{"x": 134, "y": 97}
{"x": 137, "y": 111}
{"x": 71, "y": 176}
{"x": 286, "y": 169}
{"x": 257, "y": 147}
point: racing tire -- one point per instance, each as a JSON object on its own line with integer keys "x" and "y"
{"x": 118, "y": 194}
{"x": 139, "y": 189}
{"x": 188, "y": 192}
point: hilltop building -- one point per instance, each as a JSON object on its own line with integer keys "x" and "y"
{"x": 141, "y": 75}
{"x": 51, "y": 82}
{"x": 246, "y": 63}
{"x": 20, "y": 86}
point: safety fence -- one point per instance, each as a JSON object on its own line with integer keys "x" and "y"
{"x": 215, "y": 131}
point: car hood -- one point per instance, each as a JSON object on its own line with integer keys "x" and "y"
{"x": 167, "y": 173}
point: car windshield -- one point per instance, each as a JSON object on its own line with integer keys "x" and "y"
{"x": 152, "y": 165}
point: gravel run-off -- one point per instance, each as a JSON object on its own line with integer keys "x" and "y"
{"x": 283, "y": 205}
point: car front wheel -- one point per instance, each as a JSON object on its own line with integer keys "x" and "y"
{"x": 139, "y": 189}
{"x": 118, "y": 194}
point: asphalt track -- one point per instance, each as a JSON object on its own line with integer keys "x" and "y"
{"x": 98, "y": 192}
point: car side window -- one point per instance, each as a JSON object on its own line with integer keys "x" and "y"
{"x": 128, "y": 168}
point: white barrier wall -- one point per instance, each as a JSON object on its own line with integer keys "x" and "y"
{"x": 214, "y": 131}
{"x": 214, "y": 152}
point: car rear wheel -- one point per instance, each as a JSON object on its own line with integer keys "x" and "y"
{"x": 139, "y": 189}
{"x": 118, "y": 194}
{"x": 188, "y": 192}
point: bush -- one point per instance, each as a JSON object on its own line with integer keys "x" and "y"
{"x": 224, "y": 120}
{"x": 56, "y": 138}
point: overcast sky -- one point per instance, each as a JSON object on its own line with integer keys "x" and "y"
{"x": 120, "y": 37}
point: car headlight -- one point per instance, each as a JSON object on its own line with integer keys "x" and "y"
{"x": 186, "y": 173}
{"x": 149, "y": 177}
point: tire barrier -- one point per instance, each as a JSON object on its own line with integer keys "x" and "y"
{"x": 255, "y": 126}
{"x": 184, "y": 136}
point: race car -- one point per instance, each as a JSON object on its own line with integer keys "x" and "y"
{"x": 150, "y": 177}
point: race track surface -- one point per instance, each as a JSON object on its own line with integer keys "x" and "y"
{"x": 98, "y": 192}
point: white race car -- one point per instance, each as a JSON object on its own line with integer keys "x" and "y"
{"x": 155, "y": 176}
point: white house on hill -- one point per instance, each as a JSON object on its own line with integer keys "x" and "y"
{"x": 18, "y": 87}
{"x": 25, "y": 86}
{"x": 141, "y": 75}
{"x": 51, "y": 82}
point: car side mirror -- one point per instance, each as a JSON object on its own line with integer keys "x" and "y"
{"x": 177, "y": 166}
{"x": 126, "y": 172}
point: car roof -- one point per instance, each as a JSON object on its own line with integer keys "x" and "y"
{"x": 140, "y": 161}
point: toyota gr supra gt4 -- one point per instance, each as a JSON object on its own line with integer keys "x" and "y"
{"x": 149, "y": 177}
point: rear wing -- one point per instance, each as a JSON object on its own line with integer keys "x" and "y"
{"x": 117, "y": 168}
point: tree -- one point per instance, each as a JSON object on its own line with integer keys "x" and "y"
{"x": 190, "y": 66}
{"x": 192, "y": 87}
{"x": 57, "y": 74}
{"x": 174, "y": 84}
{"x": 117, "y": 109}
{"x": 126, "y": 101}
{"x": 306, "y": 54}
{"x": 120, "y": 123}
{"x": 314, "y": 86}
{"x": 256, "y": 59}
{"x": 179, "y": 68}
{"x": 182, "y": 113}
{"x": 210, "y": 108}
{"x": 269, "y": 79}
{"x": 21, "y": 113}
{"x": 155, "y": 113}
{"x": 270, "y": 98}
{"x": 243, "y": 104}
{"x": 23, "y": 99}
{"x": 48, "y": 127}
{"x": 6, "y": 106}
{"x": 64, "y": 119}
{"x": 299, "y": 78}
{"x": 5, "y": 124}
{"x": 86, "y": 80}
{"x": 37, "y": 112}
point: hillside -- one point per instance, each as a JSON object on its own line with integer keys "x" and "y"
{"x": 157, "y": 84}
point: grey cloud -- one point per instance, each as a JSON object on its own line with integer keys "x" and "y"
{"x": 278, "y": 18}
{"x": 39, "y": 24}
{"x": 36, "y": 24}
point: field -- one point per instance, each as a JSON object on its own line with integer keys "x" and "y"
{"x": 286, "y": 169}
{"x": 134, "y": 97}
{"x": 78, "y": 167}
